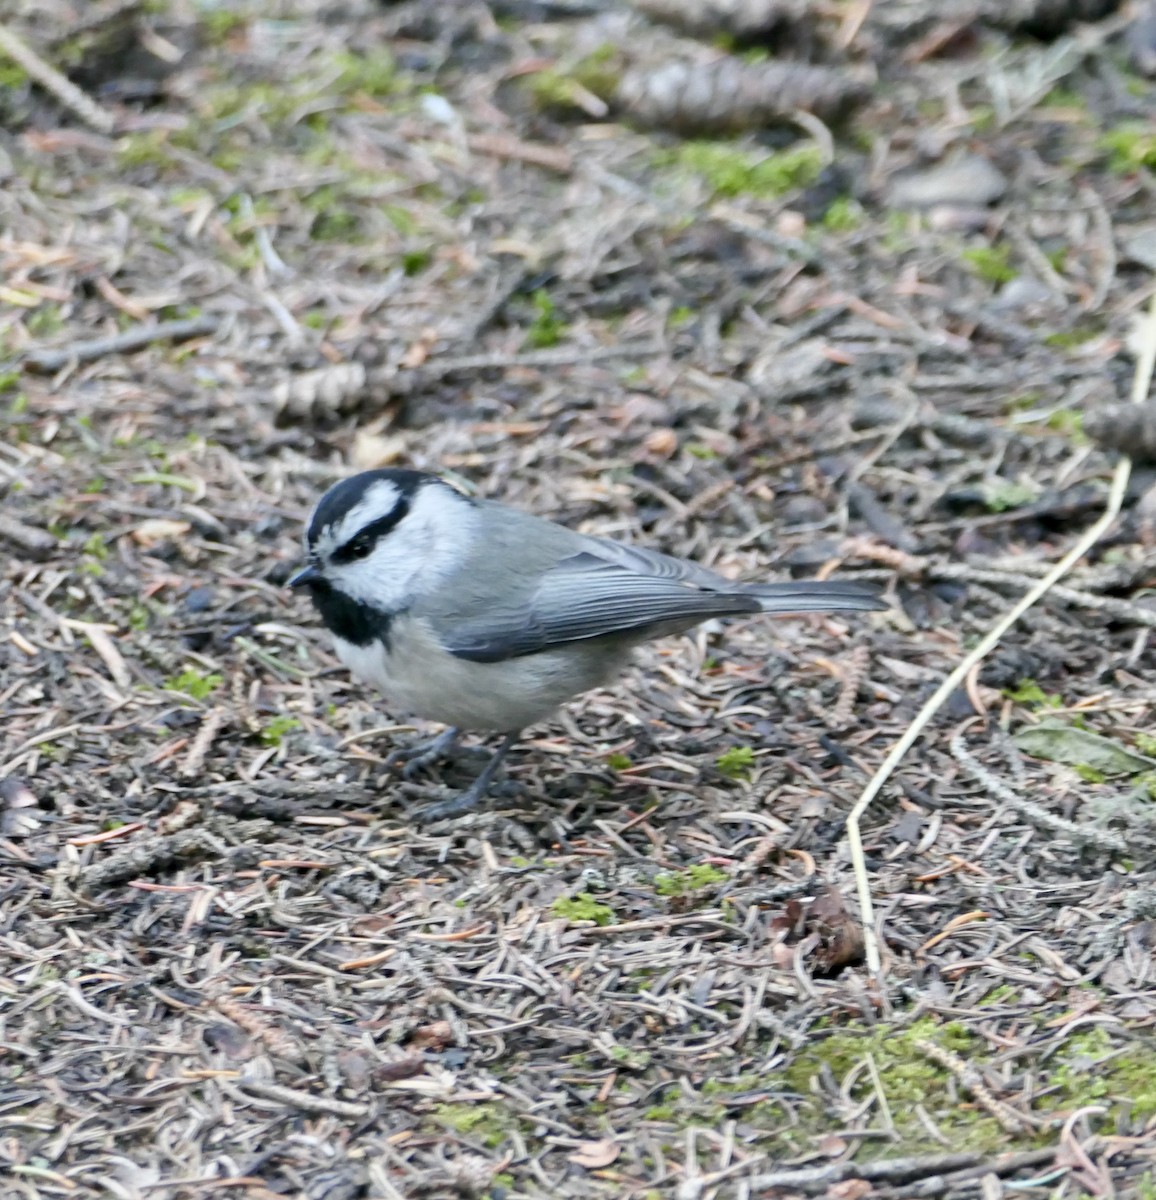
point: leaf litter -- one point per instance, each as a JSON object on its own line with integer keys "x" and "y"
{"x": 229, "y": 959}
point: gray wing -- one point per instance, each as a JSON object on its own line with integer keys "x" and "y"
{"x": 589, "y": 596}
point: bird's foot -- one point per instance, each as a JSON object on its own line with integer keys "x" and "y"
{"x": 455, "y": 806}
{"x": 468, "y": 800}
{"x": 415, "y": 758}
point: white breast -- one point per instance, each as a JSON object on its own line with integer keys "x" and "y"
{"x": 420, "y": 678}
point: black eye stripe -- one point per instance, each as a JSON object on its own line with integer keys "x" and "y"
{"x": 369, "y": 535}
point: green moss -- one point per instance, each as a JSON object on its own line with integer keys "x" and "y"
{"x": 45, "y": 321}
{"x": 225, "y": 105}
{"x": 683, "y": 1107}
{"x": 730, "y": 170}
{"x": 992, "y": 263}
{"x": 194, "y": 683}
{"x": 1058, "y": 258}
{"x": 583, "y": 907}
{"x": 1070, "y": 423}
{"x": 982, "y": 117}
{"x": 907, "y": 1077}
{"x": 400, "y": 218}
{"x": 167, "y": 479}
{"x": 1003, "y": 495}
{"x": 1024, "y": 402}
{"x": 547, "y": 327}
{"x": 1146, "y": 743}
{"x": 629, "y": 1057}
{"x": 843, "y": 214}
{"x": 1131, "y": 146}
{"x": 1060, "y": 97}
{"x": 144, "y": 149}
{"x": 1089, "y": 774}
{"x": 556, "y": 88}
{"x": 95, "y": 546}
{"x": 275, "y": 731}
{"x": 736, "y": 763}
{"x": 1028, "y": 692}
{"x": 619, "y": 762}
{"x": 372, "y": 74}
{"x": 1070, "y": 339}
{"x": 998, "y": 995}
{"x": 11, "y": 76}
{"x": 335, "y": 220}
{"x": 486, "y": 1123}
{"x": 696, "y": 878}
{"x": 218, "y": 24}
{"x": 1092, "y": 1068}
{"x": 413, "y": 262}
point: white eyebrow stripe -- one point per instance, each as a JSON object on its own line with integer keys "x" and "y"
{"x": 379, "y": 500}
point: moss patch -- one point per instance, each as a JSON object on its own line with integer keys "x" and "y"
{"x": 1093, "y": 1070}
{"x": 730, "y": 170}
{"x": 699, "y": 878}
{"x": 486, "y": 1122}
{"x": 583, "y": 907}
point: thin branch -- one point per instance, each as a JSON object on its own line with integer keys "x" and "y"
{"x": 53, "y": 82}
{"x": 120, "y": 343}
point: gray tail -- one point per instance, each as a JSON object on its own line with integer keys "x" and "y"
{"x": 815, "y": 595}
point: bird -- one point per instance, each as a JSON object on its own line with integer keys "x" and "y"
{"x": 483, "y": 617}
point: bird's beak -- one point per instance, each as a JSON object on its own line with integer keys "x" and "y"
{"x": 305, "y": 577}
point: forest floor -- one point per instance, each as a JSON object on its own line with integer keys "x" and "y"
{"x": 436, "y": 235}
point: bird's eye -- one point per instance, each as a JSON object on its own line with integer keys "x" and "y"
{"x": 360, "y": 546}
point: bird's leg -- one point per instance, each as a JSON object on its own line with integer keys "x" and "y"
{"x": 423, "y": 754}
{"x": 476, "y": 792}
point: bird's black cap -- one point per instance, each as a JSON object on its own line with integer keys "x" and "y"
{"x": 342, "y": 496}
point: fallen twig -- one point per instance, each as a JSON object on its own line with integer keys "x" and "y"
{"x": 305, "y": 1101}
{"x": 120, "y": 343}
{"x": 1103, "y": 839}
{"x": 38, "y": 543}
{"x": 503, "y": 146}
{"x": 881, "y": 1170}
{"x": 1009, "y": 1119}
{"x": 148, "y": 855}
{"x": 195, "y": 758}
{"x": 1122, "y": 610}
{"x": 56, "y": 84}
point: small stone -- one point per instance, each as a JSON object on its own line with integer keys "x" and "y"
{"x": 957, "y": 218}
{"x": 970, "y": 180}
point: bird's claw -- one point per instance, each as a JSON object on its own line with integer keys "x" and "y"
{"x": 455, "y": 806}
{"x": 421, "y": 754}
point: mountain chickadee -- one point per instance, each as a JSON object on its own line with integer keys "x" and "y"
{"x": 482, "y": 617}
